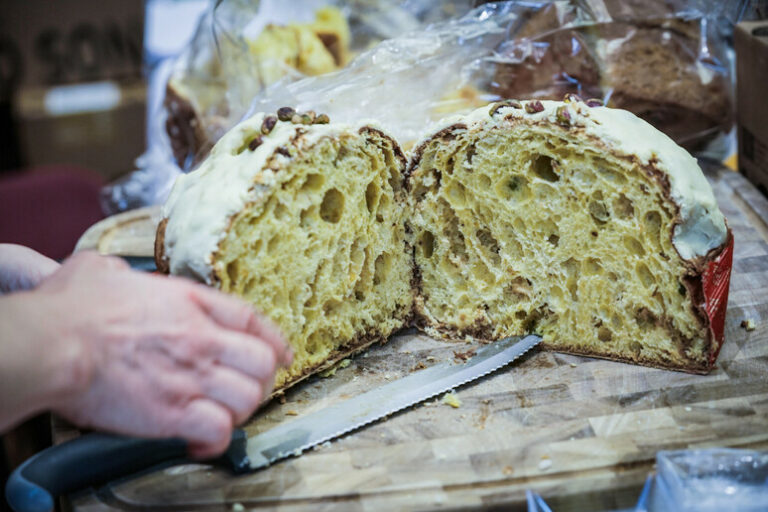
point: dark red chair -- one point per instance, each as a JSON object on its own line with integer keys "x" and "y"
{"x": 49, "y": 208}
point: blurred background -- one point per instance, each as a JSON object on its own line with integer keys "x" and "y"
{"x": 75, "y": 89}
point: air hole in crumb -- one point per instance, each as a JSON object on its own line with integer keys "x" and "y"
{"x": 554, "y": 240}
{"x": 306, "y": 216}
{"x": 485, "y": 182}
{"x": 544, "y": 167}
{"x": 592, "y": 267}
{"x": 331, "y": 306}
{"x": 599, "y": 212}
{"x": 623, "y": 208}
{"x": 520, "y": 315}
{"x": 371, "y": 196}
{"x": 645, "y": 318}
{"x": 382, "y": 267}
{"x": 457, "y": 193}
{"x": 427, "y": 244}
{"x": 489, "y": 242}
{"x": 233, "y": 269}
{"x": 272, "y": 244}
{"x": 332, "y": 207}
{"x": 248, "y": 287}
{"x": 645, "y": 275}
{"x": 519, "y": 288}
{"x": 634, "y": 246}
{"x": 514, "y": 187}
{"x": 313, "y": 183}
{"x": 280, "y": 211}
{"x": 604, "y": 334}
{"x": 652, "y": 222}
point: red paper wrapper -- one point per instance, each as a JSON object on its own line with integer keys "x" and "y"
{"x": 716, "y": 279}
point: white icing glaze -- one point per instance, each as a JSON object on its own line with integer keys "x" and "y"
{"x": 202, "y": 202}
{"x": 703, "y": 225}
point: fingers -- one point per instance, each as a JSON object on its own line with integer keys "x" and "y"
{"x": 245, "y": 354}
{"x": 207, "y": 426}
{"x": 239, "y": 394}
{"x": 22, "y": 268}
{"x": 234, "y": 314}
{"x": 95, "y": 260}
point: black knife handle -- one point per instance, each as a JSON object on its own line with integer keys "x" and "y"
{"x": 86, "y": 461}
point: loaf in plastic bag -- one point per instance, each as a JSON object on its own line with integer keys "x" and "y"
{"x": 668, "y": 62}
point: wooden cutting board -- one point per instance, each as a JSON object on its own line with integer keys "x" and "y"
{"x": 582, "y": 432}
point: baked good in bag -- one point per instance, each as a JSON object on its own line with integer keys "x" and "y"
{"x": 650, "y": 67}
{"x": 585, "y": 225}
{"x": 196, "y": 94}
{"x": 306, "y": 222}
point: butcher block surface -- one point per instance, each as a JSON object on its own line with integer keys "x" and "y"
{"x": 582, "y": 432}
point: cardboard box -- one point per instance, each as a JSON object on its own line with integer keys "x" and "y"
{"x": 72, "y": 72}
{"x": 100, "y": 126}
{"x": 751, "y": 44}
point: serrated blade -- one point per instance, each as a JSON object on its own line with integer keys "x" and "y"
{"x": 294, "y": 437}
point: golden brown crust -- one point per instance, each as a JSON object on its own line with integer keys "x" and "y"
{"x": 161, "y": 262}
{"x": 185, "y": 129}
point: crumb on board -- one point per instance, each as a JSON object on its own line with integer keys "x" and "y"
{"x": 748, "y": 324}
{"x": 573, "y": 365}
{"x": 330, "y": 372}
{"x": 430, "y": 358}
{"x": 291, "y": 412}
{"x": 419, "y": 366}
{"x": 545, "y": 463}
{"x": 238, "y": 507}
{"x": 464, "y": 356}
{"x": 507, "y": 470}
{"x": 452, "y": 400}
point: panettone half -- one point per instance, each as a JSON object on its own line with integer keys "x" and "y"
{"x": 304, "y": 221}
{"x": 585, "y": 225}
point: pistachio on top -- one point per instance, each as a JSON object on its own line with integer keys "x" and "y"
{"x": 503, "y": 103}
{"x": 268, "y": 124}
{"x": 534, "y": 106}
{"x": 322, "y": 119}
{"x": 255, "y": 142}
{"x": 563, "y": 116}
{"x": 572, "y": 98}
{"x": 285, "y": 113}
{"x": 594, "y": 102}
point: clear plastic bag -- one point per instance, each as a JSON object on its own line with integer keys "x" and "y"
{"x": 669, "y": 62}
{"x": 712, "y": 480}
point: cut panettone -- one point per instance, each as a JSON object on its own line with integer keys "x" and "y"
{"x": 583, "y": 224}
{"x": 305, "y": 221}
{"x": 578, "y": 222}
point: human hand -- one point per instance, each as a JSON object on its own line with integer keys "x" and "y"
{"x": 156, "y": 356}
{"x": 22, "y": 268}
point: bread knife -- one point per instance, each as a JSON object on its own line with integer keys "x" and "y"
{"x": 94, "y": 459}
